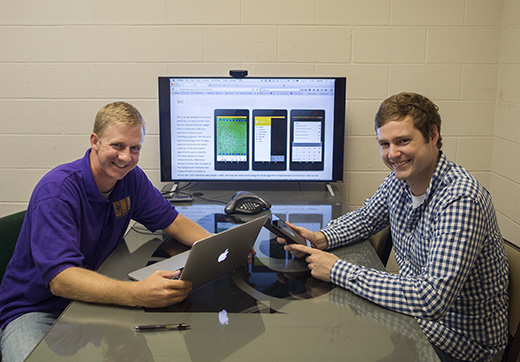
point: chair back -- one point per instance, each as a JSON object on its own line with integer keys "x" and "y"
{"x": 10, "y": 226}
{"x": 513, "y": 255}
{"x": 382, "y": 243}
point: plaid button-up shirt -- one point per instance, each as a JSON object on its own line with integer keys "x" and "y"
{"x": 453, "y": 271}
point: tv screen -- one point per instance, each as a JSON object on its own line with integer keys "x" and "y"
{"x": 251, "y": 129}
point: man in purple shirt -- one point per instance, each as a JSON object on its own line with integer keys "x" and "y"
{"x": 77, "y": 214}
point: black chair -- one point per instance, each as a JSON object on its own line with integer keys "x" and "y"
{"x": 382, "y": 243}
{"x": 10, "y": 226}
{"x": 512, "y": 350}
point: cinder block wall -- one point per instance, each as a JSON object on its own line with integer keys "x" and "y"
{"x": 61, "y": 60}
{"x": 505, "y": 158}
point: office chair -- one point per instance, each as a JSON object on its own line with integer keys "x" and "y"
{"x": 512, "y": 350}
{"x": 10, "y": 226}
{"x": 382, "y": 243}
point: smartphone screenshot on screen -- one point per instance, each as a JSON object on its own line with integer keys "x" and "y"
{"x": 254, "y": 129}
{"x": 270, "y": 140}
{"x": 231, "y": 139}
{"x": 307, "y": 140}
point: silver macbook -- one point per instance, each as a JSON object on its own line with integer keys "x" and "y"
{"x": 211, "y": 257}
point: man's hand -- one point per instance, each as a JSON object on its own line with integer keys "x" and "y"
{"x": 319, "y": 262}
{"x": 161, "y": 289}
{"x": 316, "y": 238}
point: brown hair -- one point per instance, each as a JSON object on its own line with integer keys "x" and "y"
{"x": 117, "y": 113}
{"x": 423, "y": 112}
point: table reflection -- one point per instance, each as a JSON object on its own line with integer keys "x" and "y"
{"x": 115, "y": 342}
{"x": 277, "y": 273}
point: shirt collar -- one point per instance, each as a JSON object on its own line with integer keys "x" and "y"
{"x": 443, "y": 166}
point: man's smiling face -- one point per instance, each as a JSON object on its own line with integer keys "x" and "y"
{"x": 408, "y": 154}
{"x": 115, "y": 154}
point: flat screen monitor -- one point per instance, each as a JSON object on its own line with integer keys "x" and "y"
{"x": 251, "y": 129}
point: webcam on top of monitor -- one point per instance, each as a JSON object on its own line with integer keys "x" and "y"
{"x": 238, "y": 73}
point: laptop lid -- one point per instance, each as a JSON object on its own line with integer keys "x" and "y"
{"x": 212, "y": 257}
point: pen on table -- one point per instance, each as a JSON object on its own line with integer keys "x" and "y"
{"x": 162, "y": 327}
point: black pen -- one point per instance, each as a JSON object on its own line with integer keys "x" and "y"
{"x": 162, "y": 327}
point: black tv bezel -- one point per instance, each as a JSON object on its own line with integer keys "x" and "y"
{"x": 165, "y": 131}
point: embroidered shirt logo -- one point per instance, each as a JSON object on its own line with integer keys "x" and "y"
{"x": 122, "y": 207}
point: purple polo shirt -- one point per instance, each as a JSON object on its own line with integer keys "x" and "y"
{"x": 70, "y": 224}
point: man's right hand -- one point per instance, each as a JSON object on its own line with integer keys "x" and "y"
{"x": 161, "y": 289}
{"x": 158, "y": 290}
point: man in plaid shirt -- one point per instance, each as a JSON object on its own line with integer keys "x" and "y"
{"x": 453, "y": 271}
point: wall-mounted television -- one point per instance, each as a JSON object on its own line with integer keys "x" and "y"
{"x": 251, "y": 129}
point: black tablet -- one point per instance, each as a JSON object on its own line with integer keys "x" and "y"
{"x": 278, "y": 227}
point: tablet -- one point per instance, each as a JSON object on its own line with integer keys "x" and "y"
{"x": 278, "y": 227}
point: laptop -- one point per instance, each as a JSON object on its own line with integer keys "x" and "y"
{"x": 212, "y": 257}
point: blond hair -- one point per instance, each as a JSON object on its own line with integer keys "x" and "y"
{"x": 117, "y": 113}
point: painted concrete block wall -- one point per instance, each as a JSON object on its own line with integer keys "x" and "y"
{"x": 61, "y": 60}
{"x": 505, "y": 162}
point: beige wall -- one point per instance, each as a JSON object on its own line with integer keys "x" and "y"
{"x": 61, "y": 60}
{"x": 505, "y": 162}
